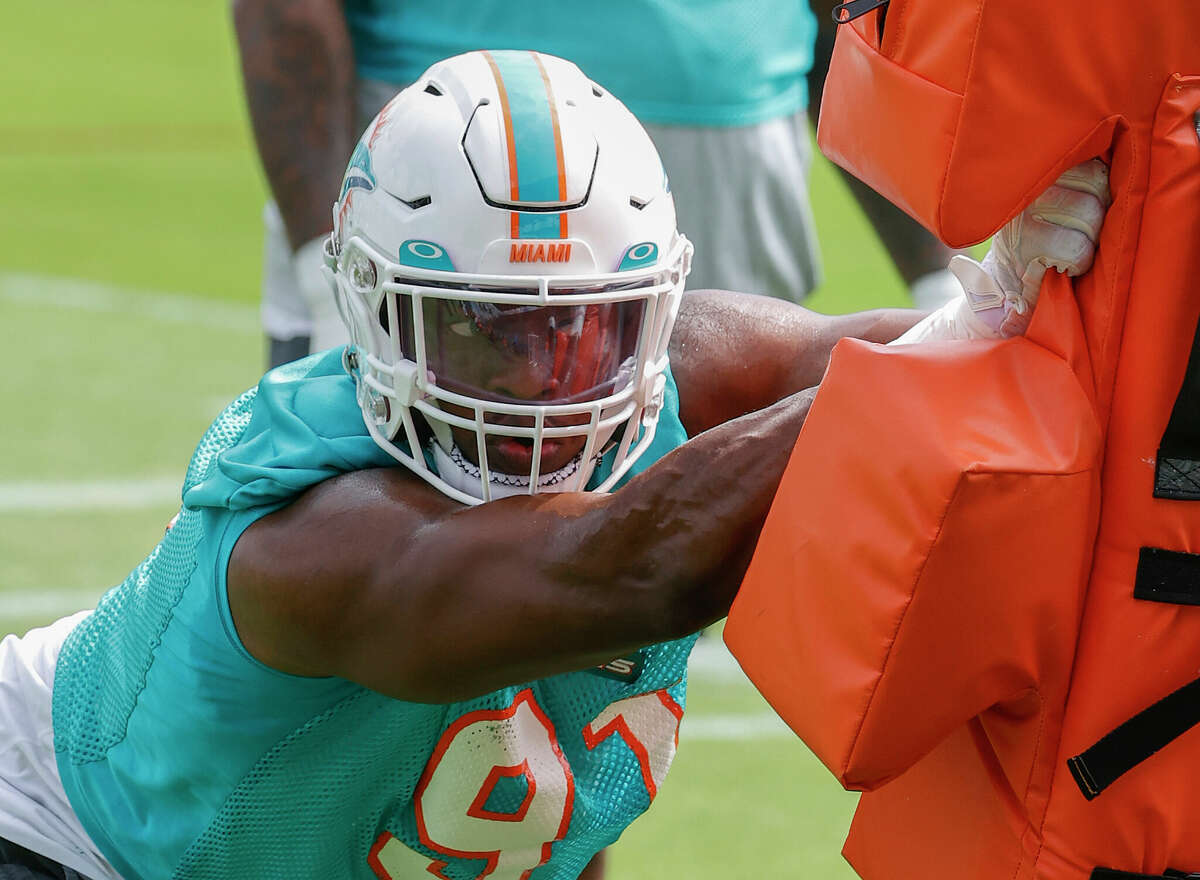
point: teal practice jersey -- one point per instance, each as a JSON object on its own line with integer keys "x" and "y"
{"x": 184, "y": 757}
{"x": 675, "y": 62}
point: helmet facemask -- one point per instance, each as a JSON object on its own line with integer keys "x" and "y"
{"x": 542, "y": 373}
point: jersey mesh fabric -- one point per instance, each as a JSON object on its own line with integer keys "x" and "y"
{"x": 116, "y": 643}
{"x": 383, "y": 748}
{"x": 184, "y": 757}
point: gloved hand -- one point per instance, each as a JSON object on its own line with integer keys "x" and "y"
{"x": 1058, "y": 230}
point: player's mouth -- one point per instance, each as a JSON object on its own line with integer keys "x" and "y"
{"x": 514, "y": 455}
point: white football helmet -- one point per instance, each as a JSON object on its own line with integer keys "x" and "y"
{"x": 505, "y": 256}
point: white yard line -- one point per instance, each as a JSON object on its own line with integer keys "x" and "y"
{"x": 37, "y": 291}
{"x": 70, "y": 496}
{"x": 47, "y": 604}
{"x": 761, "y": 725}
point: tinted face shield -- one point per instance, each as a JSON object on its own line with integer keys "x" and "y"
{"x": 527, "y": 380}
{"x": 529, "y": 354}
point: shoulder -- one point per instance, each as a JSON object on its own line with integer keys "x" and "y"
{"x": 295, "y": 572}
{"x": 335, "y": 515}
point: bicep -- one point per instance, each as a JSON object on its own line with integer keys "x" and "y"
{"x": 376, "y": 578}
{"x": 288, "y": 578}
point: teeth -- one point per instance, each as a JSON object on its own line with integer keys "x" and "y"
{"x": 500, "y": 479}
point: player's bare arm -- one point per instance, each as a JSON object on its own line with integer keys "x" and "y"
{"x": 298, "y": 71}
{"x": 557, "y": 582}
{"x": 733, "y": 353}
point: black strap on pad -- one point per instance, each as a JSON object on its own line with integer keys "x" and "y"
{"x": 1167, "y": 576}
{"x": 1136, "y": 740}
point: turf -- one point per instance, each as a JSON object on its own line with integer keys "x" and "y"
{"x": 129, "y": 272}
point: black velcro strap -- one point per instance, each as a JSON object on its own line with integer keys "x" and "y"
{"x": 1167, "y": 576}
{"x": 1177, "y": 468}
{"x": 1176, "y": 478}
{"x": 1136, "y": 740}
{"x": 1111, "y": 874}
{"x": 852, "y": 9}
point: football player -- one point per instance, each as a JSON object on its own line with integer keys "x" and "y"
{"x": 340, "y": 662}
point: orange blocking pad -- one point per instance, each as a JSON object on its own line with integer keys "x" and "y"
{"x": 876, "y": 628}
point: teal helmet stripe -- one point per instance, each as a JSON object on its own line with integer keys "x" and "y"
{"x": 532, "y": 124}
{"x": 538, "y": 225}
{"x": 534, "y": 142}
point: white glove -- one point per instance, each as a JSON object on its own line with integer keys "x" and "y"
{"x": 1059, "y": 229}
{"x": 328, "y": 329}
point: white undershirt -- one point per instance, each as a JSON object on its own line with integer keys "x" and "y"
{"x": 34, "y": 811}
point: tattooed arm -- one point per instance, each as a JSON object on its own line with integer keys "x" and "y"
{"x": 298, "y": 70}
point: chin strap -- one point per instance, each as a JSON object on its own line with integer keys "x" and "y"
{"x": 457, "y": 471}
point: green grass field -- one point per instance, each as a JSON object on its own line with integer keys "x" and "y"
{"x": 129, "y": 269}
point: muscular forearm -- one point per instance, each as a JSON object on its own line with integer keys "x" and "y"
{"x": 693, "y": 520}
{"x": 733, "y": 353}
{"x": 528, "y": 587}
{"x": 298, "y": 71}
{"x": 875, "y": 325}
{"x": 376, "y": 577}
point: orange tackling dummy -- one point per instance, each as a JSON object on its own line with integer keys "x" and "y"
{"x": 976, "y": 595}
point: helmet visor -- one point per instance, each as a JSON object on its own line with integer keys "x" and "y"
{"x": 512, "y": 353}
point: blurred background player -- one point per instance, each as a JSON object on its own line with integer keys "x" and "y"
{"x": 720, "y": 86}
